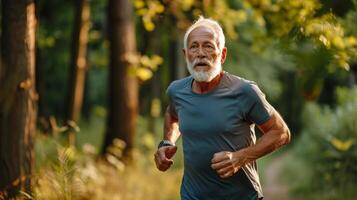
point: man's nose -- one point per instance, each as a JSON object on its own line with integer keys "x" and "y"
{"x": 201, "y": 53}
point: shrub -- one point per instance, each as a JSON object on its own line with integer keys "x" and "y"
{"x": 327, "y": 149}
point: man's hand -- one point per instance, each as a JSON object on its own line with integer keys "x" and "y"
{"x": 227, "y": 163}
{"x": 163, "y": 157}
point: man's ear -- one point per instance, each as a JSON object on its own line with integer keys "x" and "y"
{"x": 224, "y": 55}
{"x": 184, "y": 52}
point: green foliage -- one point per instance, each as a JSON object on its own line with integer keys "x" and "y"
{"x": 264, "y": 66}
{"x": 311, "y": 72}
{"x": 148, "y": 10}
{"x": 327, "y": 151}
{"x": 350, "y": 21}
{"x": 278, "y": 18}
{"x": 53, "y": 42}
{"x": 295, "y": 17}
{"x": 144, "y": 66}
{"x": 54, "y": 37}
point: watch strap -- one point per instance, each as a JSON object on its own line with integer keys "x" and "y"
{"x": 165, "y": 143}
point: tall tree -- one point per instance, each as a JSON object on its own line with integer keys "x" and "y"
{"x": 78, "y": 64}
{"x": 0, "y": 36}
{"x": 18, "y": 97}
{"x": 123, "y": 86}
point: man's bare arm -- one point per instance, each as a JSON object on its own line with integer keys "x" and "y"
{"x": 171, "y": 130}
{"x": 163, "y": 156}
{"x": 275, "y": 134}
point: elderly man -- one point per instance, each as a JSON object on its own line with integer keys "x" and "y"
{"x": 216, "y": 112}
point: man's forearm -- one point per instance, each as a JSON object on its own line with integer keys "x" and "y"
{"x": 276, "y": 134}
{"x": 268, "y": 143}
{"x": 227, "y": 163}
{"x": 171, "y": 131}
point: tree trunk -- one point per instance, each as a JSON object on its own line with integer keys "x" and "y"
{"x": 78, "y": 64}
{"x": 0, "y": 37}
{"x": 123, "y": 86}
{"x": 18, "y": 98}
{"x": 173, "y": 58}
{"x": 87, "y": 104}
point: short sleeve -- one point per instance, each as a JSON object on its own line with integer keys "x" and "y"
{"x": 256, "y": 108}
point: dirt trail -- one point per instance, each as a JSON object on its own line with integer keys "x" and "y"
{"x": 273, "y": 187}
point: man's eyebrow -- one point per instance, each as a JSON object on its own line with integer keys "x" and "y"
{"x": 208, "y": 42}
{"x": 194, "y": 42}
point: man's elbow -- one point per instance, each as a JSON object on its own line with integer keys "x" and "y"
{"x": 286, "y": 136}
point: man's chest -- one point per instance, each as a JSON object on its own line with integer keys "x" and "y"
{"x": 209, "y": 114}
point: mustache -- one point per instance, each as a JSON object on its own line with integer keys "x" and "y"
{"x": 204, "y": 61}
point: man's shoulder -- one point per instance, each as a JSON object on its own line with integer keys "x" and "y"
{"x": 176, "y": 84}
{"x": 244, "y": 87}
{"x": 179, "y": 84}
{"x": 237, "y": 83}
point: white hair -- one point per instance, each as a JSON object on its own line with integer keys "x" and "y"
{"x": 208, "y": 23}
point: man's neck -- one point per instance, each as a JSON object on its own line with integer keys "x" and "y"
{"x": 204, "y": 87}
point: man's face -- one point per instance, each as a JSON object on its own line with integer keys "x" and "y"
{"x": 203, "y": 55}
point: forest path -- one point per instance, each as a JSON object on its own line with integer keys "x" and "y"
{"x": 273, "y": 186}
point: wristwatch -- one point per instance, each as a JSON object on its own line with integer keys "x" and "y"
{"x": 165, "y": 143}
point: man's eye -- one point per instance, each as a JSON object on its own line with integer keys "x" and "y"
{"x": 209, "y": 47}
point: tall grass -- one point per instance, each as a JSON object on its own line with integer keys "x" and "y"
{"x": 69, "y": 173}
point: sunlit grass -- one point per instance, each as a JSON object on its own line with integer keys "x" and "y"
{"x": 84, "y": 177}
{"x": 69, "y": 173}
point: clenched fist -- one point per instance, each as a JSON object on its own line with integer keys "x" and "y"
{"x": 226, "y": 163}
{"x": 163, "y": 157}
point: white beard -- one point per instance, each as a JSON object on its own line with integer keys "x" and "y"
{"x": 204, "y": 76}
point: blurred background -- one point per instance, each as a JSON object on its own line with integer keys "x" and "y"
{"x": 82, "y": 93}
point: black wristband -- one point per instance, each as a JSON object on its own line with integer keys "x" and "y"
{"x": 165, "y": 143}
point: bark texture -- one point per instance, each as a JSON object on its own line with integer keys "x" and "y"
{"x": 123, "y": 85}
{"x": 78, "y": 64}
{"x": 18, "y": 97}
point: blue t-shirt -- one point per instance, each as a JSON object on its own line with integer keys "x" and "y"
{"x": 220, "y": 120}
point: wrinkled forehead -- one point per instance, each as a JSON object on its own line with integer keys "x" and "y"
{"x": 202, "y": 32}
